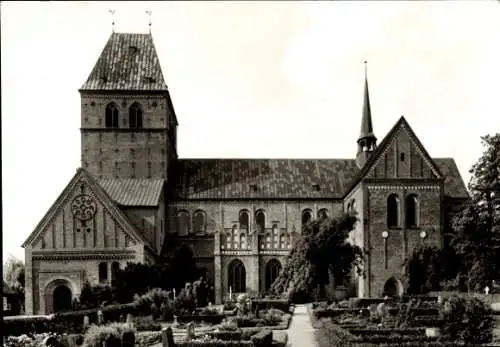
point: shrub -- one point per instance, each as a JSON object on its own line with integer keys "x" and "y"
{"x": 155, "y": 296}
{"x": 147, "y": 326}
{"x": 466, "y": 319}
{"x": 273, "y": 317}
{"x": 111, "y": 334}
{"x": 330, "y": 334}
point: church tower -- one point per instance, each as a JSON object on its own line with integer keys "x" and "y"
{"x": 367, "y": 142}
{"x": 128, "y": 123}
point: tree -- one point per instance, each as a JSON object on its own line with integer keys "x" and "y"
{"x": 476, "y": 229}
{"x": 425, "y": 270}
{"x": 323, "y": 248}
{"x": 183, "y": 267}
{"x": 14, "y": 274}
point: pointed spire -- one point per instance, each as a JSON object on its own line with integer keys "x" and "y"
{"x": 366, "y": 121}
{"x": 367, "y": 142}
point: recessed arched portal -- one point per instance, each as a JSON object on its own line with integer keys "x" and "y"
{"x": 62, "y": 299}
{"x": 237, "y": 276}
{"x": 58, "y": 296}
{"x": 393, "y": 288}
{"x": 273, "y": 268}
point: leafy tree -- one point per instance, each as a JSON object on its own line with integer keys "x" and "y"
{"x": 14, "y": 274}
{"x": 183, "y": 267}
{"x": 323, "y": 248}
{"x": 476, "y": 238}
{"x": 425, "y": 270}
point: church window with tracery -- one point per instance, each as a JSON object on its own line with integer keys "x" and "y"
{"x": 135, "y": 116}
{"x": 111, "y": 116}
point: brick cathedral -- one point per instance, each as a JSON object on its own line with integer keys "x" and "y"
{"x": 134, "y": 200}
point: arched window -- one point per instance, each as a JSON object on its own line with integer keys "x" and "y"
{"x": 260, "y": 220}
{"x": 135, "y": 116}
{"x": 273, "y": 268}
{"x": 111, "y": 116}
{"x": 282, "y": 241}
{"x": 412, "y": 211}
{"x": 353, "y": 206}
{"x": 103, "y": 272}
{"x": 244, "y": 219}
{"x": 199, "y": 221}
{"x": 115, "y": 269}
{"x": 268, "y": 241}
{"x": 229, "y": 239}
{"x": 183, "y": 223}
{"x": 323, "y": 213}
{"x": 306, "y": 217}
{"x": 393, "y": 211}
{"x": 243, "y": 241}
{"x": 237, "y": 277}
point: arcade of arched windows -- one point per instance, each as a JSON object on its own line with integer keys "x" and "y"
{"x": 112, "y": 115}
{"x": 412, "y": 211}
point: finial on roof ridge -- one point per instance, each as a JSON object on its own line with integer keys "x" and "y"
{"x": 149, "y": 16}
{"x": 112, "y": 11}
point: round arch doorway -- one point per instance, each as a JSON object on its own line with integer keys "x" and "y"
{"x": 393, "y": 288}
{"x": 61, "y": 299}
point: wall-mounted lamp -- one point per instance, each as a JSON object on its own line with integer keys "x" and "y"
{"x": 385, "y": 235}
{"x": 423, "y": 234}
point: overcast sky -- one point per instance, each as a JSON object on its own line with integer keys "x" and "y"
{"x": 248, "y": 79}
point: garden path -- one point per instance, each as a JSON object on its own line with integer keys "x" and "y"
{"x": 301, "y": 332}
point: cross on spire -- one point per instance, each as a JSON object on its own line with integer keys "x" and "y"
{"x": 113, "y": 18}
{"x": 149, "y": 16}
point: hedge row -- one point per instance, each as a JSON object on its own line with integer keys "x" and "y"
{"x": 67, "y": 322}
{"x": 211, "y": 319}
{"x": 335, "y": 312}
{"x": 265, "y": 304}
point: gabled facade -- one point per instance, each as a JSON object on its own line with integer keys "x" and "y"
{"x": 135, "y": 200}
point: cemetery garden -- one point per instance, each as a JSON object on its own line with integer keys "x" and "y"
{"x": 452, "y": 297}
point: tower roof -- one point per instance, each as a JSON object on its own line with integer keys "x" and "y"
{"x": 366, "y": 121}
{"x": 127, "y": 62}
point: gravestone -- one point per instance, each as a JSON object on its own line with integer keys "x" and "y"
{"x": 190, "y": 331}
{"x": 86, "y": 322}
{"x": 130, "y": 320}
{"x": 167, "y": 337}
{"x": 100, "y": 317}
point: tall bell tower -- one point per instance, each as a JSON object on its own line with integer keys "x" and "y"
{"x": 128, "y": 123}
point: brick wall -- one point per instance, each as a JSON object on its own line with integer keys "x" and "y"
{"x": 400, "y": 241}
{"x": 122, "y": 152}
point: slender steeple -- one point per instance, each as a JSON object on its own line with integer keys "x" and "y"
{"x": 367, "y": 142}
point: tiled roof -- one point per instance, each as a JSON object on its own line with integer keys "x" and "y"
{"x": 133, "y": 192}
{"x": 127, "y": 62}
{"x": 454, "y": 185}
{"x": 281, "y": 178}
{"x": 272, "y": 178}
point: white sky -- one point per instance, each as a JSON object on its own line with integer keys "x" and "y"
{"x": 248, "y": 79}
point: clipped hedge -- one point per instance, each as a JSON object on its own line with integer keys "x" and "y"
{"x": 211, "y": 319}
{"x": 214, "y": 343}
{"x": 266, "y": 304}
{"x": 263, "y": 338}
{"x": 66, "y": 322}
